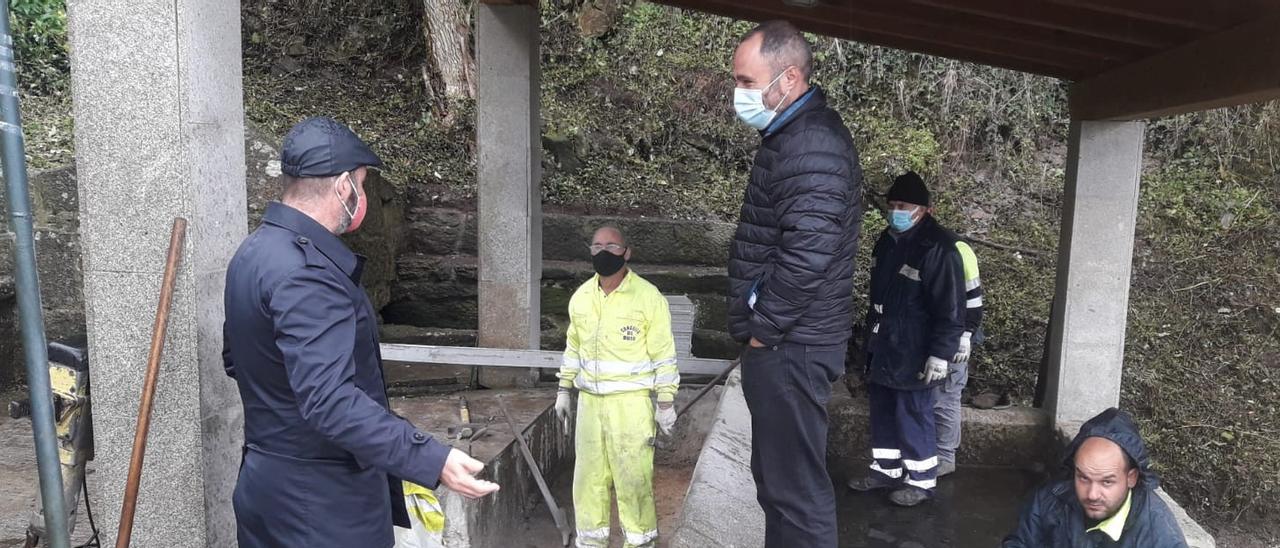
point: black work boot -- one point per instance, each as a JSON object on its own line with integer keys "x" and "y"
{"x": 872, "y": 482}
{"x": 909, "y": 496}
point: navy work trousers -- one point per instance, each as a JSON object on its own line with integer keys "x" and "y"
{"x": 903, "y": 435}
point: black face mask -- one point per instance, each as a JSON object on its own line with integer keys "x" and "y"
{"x": 607, "y": 264}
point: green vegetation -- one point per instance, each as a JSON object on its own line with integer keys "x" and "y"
{"x": 638, "y": 120}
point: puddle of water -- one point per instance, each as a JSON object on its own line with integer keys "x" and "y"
{"x": 974, "y": 507}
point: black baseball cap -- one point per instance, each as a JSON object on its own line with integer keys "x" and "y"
{"x": 323, "y": 147}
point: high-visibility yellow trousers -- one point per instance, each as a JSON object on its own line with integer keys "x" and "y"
{"x": 613, "y": 450}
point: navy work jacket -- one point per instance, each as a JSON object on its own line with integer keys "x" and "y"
{"x": 917, "y": 304}
{"x": 323, "y": 454}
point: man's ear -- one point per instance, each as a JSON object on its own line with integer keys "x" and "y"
{"x": 626, "y": 255}
{"x": 342, "y": 183}
{"x": 1132, "y": 477}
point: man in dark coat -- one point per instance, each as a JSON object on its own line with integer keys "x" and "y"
{"x": 915, "y": 322}
{"x": 1104, "y": 495}
{"x": 324, "y": 455}
{"x": 791, "y": 278}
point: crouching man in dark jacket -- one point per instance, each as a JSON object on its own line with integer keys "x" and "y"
{"x": 1104, "y": 496}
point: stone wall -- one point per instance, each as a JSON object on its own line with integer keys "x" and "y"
{"x": 421, "y": 271}
{"x": 55, "y": 204}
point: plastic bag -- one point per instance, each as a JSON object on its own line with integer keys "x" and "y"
{"x": 426, "y": 518}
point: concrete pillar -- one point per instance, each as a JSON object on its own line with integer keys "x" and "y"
{"x": 1095, "y": 252}
{"x": 509, "y": 136}
{"x": 159, "y": 134}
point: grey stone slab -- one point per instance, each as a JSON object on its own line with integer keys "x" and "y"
{"x": 509, "y": 165}
{"x": 1197, "y": 536}
{"x": 217, "y": 216}
{"x": 222, "y": 436}
{"x": 217, "y": 390}
{"x": 720, "y": 503}
{"x": 1104, "y": 167}
{"x": 159, "y": 134}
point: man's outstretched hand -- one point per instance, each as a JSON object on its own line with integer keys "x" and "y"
{"x": 459, "y": 474}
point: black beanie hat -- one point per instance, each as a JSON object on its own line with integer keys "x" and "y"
{"x": 909, "y": 188}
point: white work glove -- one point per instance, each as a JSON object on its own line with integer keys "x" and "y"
{"x": 665, "y": 416}
{"x": 962, "y": 355}
{"x": 562, "y": 409}
{"x": 935, "y": 369}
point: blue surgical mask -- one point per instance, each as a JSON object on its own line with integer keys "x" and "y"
{"x": 749, "y": 104}
{"x": 900, "y": 219}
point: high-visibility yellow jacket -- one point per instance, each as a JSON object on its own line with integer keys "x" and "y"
{"x": 620, "y": 342}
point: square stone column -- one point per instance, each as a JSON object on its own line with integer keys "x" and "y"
{"x": 1095, "y": 258}
{"x": 159, "y": 134}
{"x": 508, "y": 132}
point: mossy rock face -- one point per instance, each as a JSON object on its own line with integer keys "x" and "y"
{"x": 379, "y": 238}
{"x": 438, "y": 231}
{"x": 408, "y": 334}
{"x": 714, "y": 344}
{"x": 459, "y": 313}
{"x": 652, "y": 241}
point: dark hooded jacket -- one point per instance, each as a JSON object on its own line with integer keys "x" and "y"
{"x": 1054, "y": 518}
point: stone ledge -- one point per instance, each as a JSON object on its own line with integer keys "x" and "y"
{"x": 1010, "y": 437}
{"x": 720, "y": 508}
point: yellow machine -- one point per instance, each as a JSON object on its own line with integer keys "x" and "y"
{"x": 69, "y": 381}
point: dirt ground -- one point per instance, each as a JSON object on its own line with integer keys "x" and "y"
{"x": 670, "y": 483}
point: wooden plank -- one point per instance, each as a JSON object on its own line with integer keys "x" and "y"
{"x": 909, "y": 15}
{"x": 1010, "y": 56}
{"x": 501, "y": 357}
{"x": 1233, "y": 67}
{"x": 1192, "y": 14}
{"x": 1043, "y": 13}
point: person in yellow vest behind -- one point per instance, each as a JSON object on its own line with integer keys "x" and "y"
{"x": 619, "y": 352}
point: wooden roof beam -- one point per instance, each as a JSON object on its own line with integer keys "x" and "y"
{"x": 1233, "y": 67}
{"x": 927, "y": 39}
{"x": 910, "y": 15}
{"x": 1192, "y": 14}
{"x": 1043, "y": 13}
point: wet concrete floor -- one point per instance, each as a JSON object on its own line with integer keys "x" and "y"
{"x": 974, "y": 507}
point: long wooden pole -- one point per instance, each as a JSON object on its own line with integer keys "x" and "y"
{"x": 149, "y": 386}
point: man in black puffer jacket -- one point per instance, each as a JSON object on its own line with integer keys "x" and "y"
{"x": 1104, "y": 495}
{"x": 791, "y": 279}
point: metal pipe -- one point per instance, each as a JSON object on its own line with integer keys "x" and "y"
{"x": 27, "y": 285}
{"x": 127, "y": 508}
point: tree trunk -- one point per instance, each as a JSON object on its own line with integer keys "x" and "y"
{"x": 450, "y": 71}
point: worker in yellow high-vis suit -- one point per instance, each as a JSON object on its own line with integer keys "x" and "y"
{"x": 619, "y": 352}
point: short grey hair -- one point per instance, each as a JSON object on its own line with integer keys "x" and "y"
{"x": 305, "y": 189}
{"x": 783, "y": 45}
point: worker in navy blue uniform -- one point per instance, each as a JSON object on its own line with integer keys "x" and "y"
{"x": 791, "y": 279}
{"x": 914, "y": 324}
{"x": 324, "y": 455}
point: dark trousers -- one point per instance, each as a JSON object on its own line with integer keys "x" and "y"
{"x": 904, "y": 442}
{"x": 787, "y": 388}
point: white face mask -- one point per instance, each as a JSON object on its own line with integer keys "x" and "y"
{"x": 749, "y": 104}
